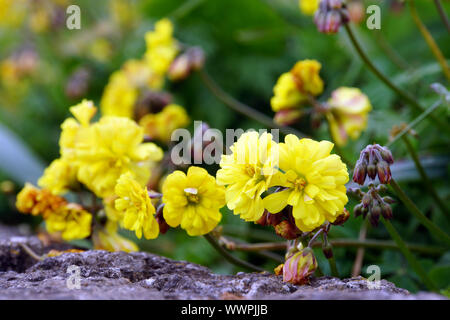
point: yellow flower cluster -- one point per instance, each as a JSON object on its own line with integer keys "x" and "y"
{"x": 98, "y": 154}
{"x": 308, "y": 7}
{"x": 310, "y": 179}
{"x": 348, "y": 113}
{"x": 70, "y": 219}
{"x": 193, "y": 201}
{"x": 248, "y": 172}
{"x": 159, "y": 126}
{"x": 162, "y": 48}
{"x": 293, "y": 87}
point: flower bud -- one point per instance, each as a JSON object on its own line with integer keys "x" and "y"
{"x": 342, "y": 218}
{"x": 386, "y": 155}
{"x": 366, "y": 200}
{"x": 357, "y": 210}
{"x": 386, "y": 211}
{"x": 330, "y": 15}
{"x": 163, "y": 226}
{"x": 372, "y": 171}
{"x": 384, "y": 173}
{"x": 287, "y": 117}
{"x": 360, "y": 172}
{"x": 389, "y": 200}
{"x": 270, "y": 219}
{"x": 327, "y": 250}
{"x": 286, "y": 230}
{"x": 374, "y": 215}
{"x": 192, "y": 59}
{"x": 299, "y": 267}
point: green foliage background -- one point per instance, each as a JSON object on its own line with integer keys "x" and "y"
{"x": 248, "y": 44}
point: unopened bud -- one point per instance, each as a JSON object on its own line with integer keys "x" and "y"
{"x": 372, "y": 171}
{"x": 386, "y": 211}
{"x": 374, "y": 215}
{"x": 384, "y": 172}
{"x": 299, "y": 267}
{"x": 359, "y": 174}
{"x": 386, "y": 155}
{"x": 163, "y": 226}
{"x": 192, "y": 59}
{"x": 366, "y": 200}
{"x": 389, "y": 200}
{"x": 357, "y": 210}
{"x": 330, "y": 16}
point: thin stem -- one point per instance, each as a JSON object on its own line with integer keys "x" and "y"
{"x": 415, "y": 122}
{"x": 418, "y": 214}
{"x": 442, "y": 14}
{"x": 343, "y": 243}
{"x": 232, "y": 259}
{"x": 408, "y": 255}
{"x": 425, "y": 178}
{"x": 357, "y": 264}
{"x": 243, "y": 108}
{"x": 390, "y": 52}
{"x": 404, "y": 95}
{"x": 429, "y": 39}
{"x": 30, "y": 252}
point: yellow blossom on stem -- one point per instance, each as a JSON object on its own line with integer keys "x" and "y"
{"x": 314, "y": 182}
{"x": 58, "y": 177}
{"x": 247, "y": 173}
{"x": 71, "y": 220}
{"x": 159, "y": 126}
{"x": 35, "y": 201}
{"x": 119, "y": 96}
{"x": 308, "y": 7}
{"x": 193, "y": 201}
{"x": 162, "y": 48}
{"x": 111, "y": 147}
{"x": 138, "y": 210}
{"x": 108, "y": 239}
{"x": 293, "y": 87}
{"x": 348, "y": 114}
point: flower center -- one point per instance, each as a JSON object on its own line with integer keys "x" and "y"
{"x": 250, "y": 170}
{"x": 192, "y": 195}
{"x": 299, "y": 183}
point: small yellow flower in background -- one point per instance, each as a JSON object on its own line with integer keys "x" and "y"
{"x": 34, "y": 201}
{"x": 12, "y": 13}
{"x": 308, "y": 7}
{"x": 160, "y": 126}
{"x": 299, "y": 266}
{"x": 71, "y": 220}
{"x": 110, "y": 147}
{"x": 247, "y": 173}
{"x": 192, "y": 200}
{"x": 293, "y": 87}
{"x": 119, "y": 96}
{"x": 315, "y": 182}
{"x": 100, "y": 49}
{"x": 138, "y": 210}
{"x": 58, "y": 177}
{"x": 162, "y": 48}
{"x": 140, "y": 75}
{"x": 108, "y": 239}
{"x": 348, "y": 113}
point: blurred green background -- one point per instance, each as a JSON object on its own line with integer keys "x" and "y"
{"x": 248, "y": 44}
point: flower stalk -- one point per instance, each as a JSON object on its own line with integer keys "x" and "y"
{"x": 418, "y": 214}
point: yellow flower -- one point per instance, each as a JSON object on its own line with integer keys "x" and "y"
{"x": 71, "y": 220}
{"x": 136, "y": 206}
{"x": 308, "y": 7}
{"x": 139, "y": 74}
{"x": 58, "y": 177}
{"x": 192, "y": 201}
{"x": 348, "y": 114}
{"x": 247, "y": 173}
{"x": 12, "y": 13}
{"x": 293, "y": 87}
{"x": 111, "y": 147}
{"x": 162, "y": 48}
{"x": 119, "y": 96}
{"x": 38, "y": 202}
{"x": 314, "y": 180}
{"x": 108, "y": 239}
{"x": 160, "y": 126}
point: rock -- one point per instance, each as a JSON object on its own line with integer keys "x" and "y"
{"x": 140, "y": 275}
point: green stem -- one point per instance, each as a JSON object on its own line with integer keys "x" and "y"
{"x": 415, "y": 122}
{"x": 30, "y": 252}
{"x": 429, "y": 40}
{"x": 425, "y": 178}
{"x": 333, "y": 267}
{"x": 404, "y": 95}
{"x": 243, "y": 108}
{"x": 442, "y": 14}
{"x": 418, "y": 214}
{"x": 232, "y": 259}
{"x": 408, "y": 255}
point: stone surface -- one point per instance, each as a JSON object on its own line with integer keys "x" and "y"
{"x": 119, "y": 275}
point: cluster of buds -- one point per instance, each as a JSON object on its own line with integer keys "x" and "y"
{"x": 283, "y": 223}
{"x": 372, "y": 204}
{"x": 331, "y": 15}
{"x": 374, "y": 160}
{"x": 191, "y": 60}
